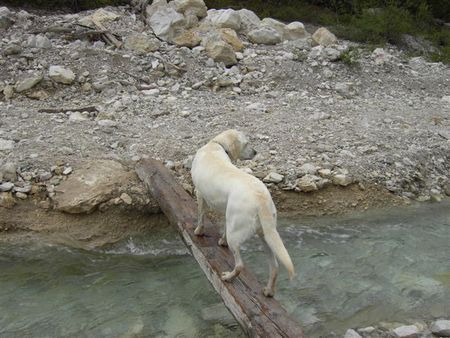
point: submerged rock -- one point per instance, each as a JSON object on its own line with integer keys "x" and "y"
{"x": 441, "y": 328}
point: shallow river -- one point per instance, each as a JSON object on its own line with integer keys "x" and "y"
{"x": 352, "y": 271}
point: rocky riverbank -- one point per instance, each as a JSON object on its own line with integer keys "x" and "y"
{"x": 337, "y": 125}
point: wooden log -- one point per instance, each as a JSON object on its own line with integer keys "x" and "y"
{"x": 65, "y": 110}
{"x": 109, "y": 37}
{"x": 258, "y": 315}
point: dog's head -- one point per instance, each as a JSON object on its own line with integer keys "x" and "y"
{"x": 235, "y": 144}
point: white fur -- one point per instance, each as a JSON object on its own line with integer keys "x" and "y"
{"x": 245, "y": 201}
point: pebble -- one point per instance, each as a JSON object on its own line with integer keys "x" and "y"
{"x": 6, "y": 186}
{"x": 342, "y": 180}
{"x": 107, "y": 123}
{"x": 67, "y": 171}
{"x": 406, "y": 331}
{"x": 21, "y": 195}
{"x": 126, "y": 198}
{"x": 273, "y": 177}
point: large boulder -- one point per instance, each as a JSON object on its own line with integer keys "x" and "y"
{"x": 165, "y": 21}
{"x": 220, "y": 51}
{"x": 265, "y": 35}
{"x": 196, "y": 7}
{"x": 249, "y": 20}
{"x": 224, "y": 18}
{"x": 94, "y": 183}
{"x": 295, "y": 30}
{"x": 189, "y": 38}
{"x": 230, "y": 36}
{"x": 275, "y": 24}
{"x": 324, "y": 37}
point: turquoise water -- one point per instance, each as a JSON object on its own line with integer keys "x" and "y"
{"x": 351, "y": 272}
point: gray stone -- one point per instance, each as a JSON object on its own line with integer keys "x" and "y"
{"x": 42, "y": 42}
{"x": 8, "y": 171}
{"x": 28, "y": 83}
{"x": 8, "y": 92}
{"x": 94, "y": 183}
{"x": 107, "y": 123}
{"x": 273, "y": 177}
{"x": 308, "y": 168}
{"x": 126, "y": 198}
{"x": 220, "y": 51}
{"x": 350, "y": 333}
{"x": 294, "y": 31}
{"x": 45, "y": 176}
{"x": 249, "y": 20}
{"x": 6, "y": 19}
{"x": 224, "y": 18}
{"x": 12, "y": 49}
{"x": 275, "y": 24}
{"x": 342, "y": 180}
{"x": 324, "y": 37}
{"x": 196, "y": 7}
{"x": 142, "y": 43}
{"x": 441, "y": 328}
{"x": 21, "y": 195}
{"x": 406, "y": 331}
{"x": 78, "y": 117}
{"x": 307, "y": 183}
{"x": 61, "y": 75}
{"x": 6, "y": 186}
{"x": 265, "y": 35}
{"x": 6, "y": 144}
{"x": 166, "y": 23}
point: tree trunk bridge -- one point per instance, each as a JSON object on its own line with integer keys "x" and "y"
{"x": 258, "y": 315}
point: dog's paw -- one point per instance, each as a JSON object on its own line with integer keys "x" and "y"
{"x": 227, "y": 276}
{"x": 268, "y": 292}
{"x": 199, "y": 231}
{"x": 222, "y": 242}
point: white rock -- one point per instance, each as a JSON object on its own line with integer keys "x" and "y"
{"x": 142, "y": 43}
{"x": 126, "y": 198}
{"x": 441, "y": 328}
{"x": 342, "y": 180}
{"x": 265, "y": 35}
{"x": 406, "y": 331}
{"x": 196, "y": 7}
{"x": 43, "y": 42}
{"x": 6, "y": 186}
{"x": 78, "y": 117}
{"x": 166, "y": 23}
{"x": 249, "y": 20}
{"x": 67, "y": 171}
{"x": 294, "y": 31}
{"x": 275, "y": 24}
{"x": 224, "y": 18}
{"x": 107, "y": 123}
{"x": 21, "y": 195}
{"x": 308, "y": 168}
{"x": 6, "y": 144}
{"x": 350, "y": 333}
{"x": 324, "y": 37}
{"x": 307, "y": 183}
{"x": 28, "y": 83}
{"x": 446, "y": 99}
{"x": 61, "y": 75}
{"x": 273, "y": 177}
{"x": 151, "y": 92}
{"x": 381, "y": 56}
{"x": 220, "y": 51}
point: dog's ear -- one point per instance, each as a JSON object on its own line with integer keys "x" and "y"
{"x": 230, "y": 143}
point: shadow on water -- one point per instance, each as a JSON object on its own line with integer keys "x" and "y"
{"x": 351, "y": 272}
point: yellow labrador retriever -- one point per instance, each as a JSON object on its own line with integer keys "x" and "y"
{"x": 244, "y": 199}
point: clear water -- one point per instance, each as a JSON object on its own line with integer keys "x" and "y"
{"x": 352, "y": 272}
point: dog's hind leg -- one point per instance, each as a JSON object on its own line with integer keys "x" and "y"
{"x": 201, "y": 214}
{"x": 238, "y": 264}
{"x": 269, "y": 290}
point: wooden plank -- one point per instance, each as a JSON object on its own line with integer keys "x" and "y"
{"x": 110, "y": 38}
{"x": 258, "y": 315}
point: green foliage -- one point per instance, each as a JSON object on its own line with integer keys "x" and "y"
{"x": 350, "y": 57}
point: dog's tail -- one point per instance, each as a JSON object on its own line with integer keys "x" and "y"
{"x": 268, "y": 220}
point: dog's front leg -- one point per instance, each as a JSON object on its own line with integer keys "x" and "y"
{"x": 201, "y": 215}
